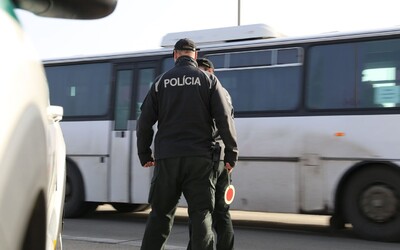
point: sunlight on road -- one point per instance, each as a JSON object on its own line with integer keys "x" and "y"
{"x": 319, "y": 220}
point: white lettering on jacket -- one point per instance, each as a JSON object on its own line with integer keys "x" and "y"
{"x": 179, "y": 82}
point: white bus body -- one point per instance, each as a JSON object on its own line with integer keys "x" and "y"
{"x": 316, "y": 117}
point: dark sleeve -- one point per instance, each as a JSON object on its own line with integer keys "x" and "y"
{"x": 144, "y": 126}
{"x": 222, "y": 112}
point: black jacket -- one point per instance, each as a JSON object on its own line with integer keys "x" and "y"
{"x": 185, "y": 101}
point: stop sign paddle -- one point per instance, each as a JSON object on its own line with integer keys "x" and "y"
{"x": 229, "y": 192}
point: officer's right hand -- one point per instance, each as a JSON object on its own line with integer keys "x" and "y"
{"x": 149, "y": 164}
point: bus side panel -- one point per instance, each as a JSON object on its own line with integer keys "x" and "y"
{"x": 311, "y": 183}
{"x": 333, "y": 144}
{"x": 87, "y": 144}
{"x": 94, "y": 174}
{"x": 119, "y": 166}
{"x": 268, "y": 177}
{"x": 87, "y": 138}
{"x": 266, "y": 186}
{"x": 141, "y": 177}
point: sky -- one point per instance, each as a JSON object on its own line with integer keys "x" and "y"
{"x": 140, "y": 25}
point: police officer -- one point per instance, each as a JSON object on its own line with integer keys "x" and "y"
{"x": 222, "y": 222}
{"x": 205, "y": 64}
{"x": 185, "y": 102}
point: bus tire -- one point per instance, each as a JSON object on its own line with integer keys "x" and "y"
{"x": 371, "y": 202}
{"x": 74, "y": 205}
{"x": 129, "y": 208}
{"x": 90, "y": 207}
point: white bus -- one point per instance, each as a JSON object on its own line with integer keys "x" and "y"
{"x": 318, "y": 123}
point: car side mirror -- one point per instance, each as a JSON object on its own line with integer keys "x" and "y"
{"x": 68, "y": 9}
{"x": 55, "y": 113}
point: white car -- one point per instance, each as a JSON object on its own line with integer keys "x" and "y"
{"x": 32, "y": 148}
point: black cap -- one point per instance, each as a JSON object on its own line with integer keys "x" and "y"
{"x": 205, "y": 63}
{"x": 185, "y": 44}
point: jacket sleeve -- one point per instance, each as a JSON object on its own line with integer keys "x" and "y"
{"x": 222, "y": 112}
{"x": 144, "y": 126}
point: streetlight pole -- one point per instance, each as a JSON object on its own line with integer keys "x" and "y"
{"x": 238, "y": 12}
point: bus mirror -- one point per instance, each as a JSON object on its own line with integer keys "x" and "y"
{"x": 68, "y": 9}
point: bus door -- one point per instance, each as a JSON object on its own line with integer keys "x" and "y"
{"x": 140, "y": 177}
{"x": 125, "y": 169}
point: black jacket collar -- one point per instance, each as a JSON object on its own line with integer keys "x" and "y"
{"x": 185, "y": 60}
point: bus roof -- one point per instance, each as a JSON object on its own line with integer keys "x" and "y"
{"x": 206, "y": 44}
{"x": 221, "y": 35}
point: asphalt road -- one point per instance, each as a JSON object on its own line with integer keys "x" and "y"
{"x": 107, "y": 229}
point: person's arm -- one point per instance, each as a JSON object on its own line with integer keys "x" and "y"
{"x": 144, "y": 128}
{"x": 222, "y": 111}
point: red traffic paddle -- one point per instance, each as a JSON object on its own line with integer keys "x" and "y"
{"x": 229, "y": 192}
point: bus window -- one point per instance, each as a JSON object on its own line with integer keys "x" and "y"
{"x": 330, "y": 77}
{"x": 247, "y": 59}
{"x": 146, "y": 78}
{"x": 287, "y": 56}
{"x": 82, "y": 90}
{"x": 266, "y": 89}
{"x": 255, "y": 81}
{"x": 218, "y": 61}
{"x": 123, "y": 99}
{"x": 335, "y": 82}
{"x": 381, "y": 70}
{"x": 168, "y": 63}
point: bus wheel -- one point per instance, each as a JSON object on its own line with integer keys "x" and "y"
{"x": 371, "y": 203}
{"x": 128, "y": 208}
{"x": 74, "y": 205}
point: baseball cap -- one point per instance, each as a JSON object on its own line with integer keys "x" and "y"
{"x": 185, "y": 44}
{"x": 205, "y": 63}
